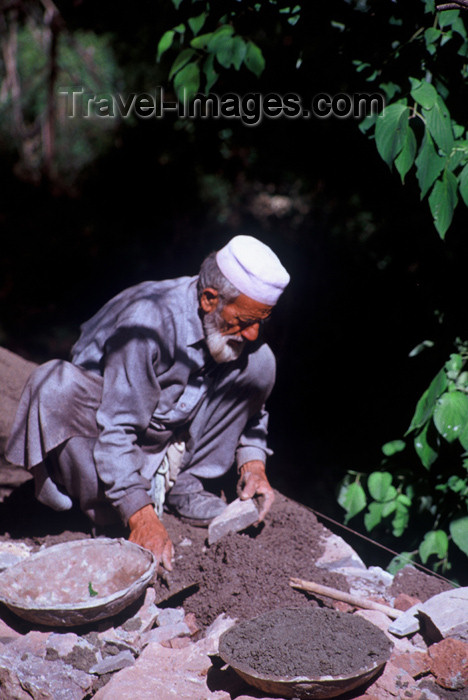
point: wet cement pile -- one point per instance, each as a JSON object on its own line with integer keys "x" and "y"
{"x": 306, "y": 642}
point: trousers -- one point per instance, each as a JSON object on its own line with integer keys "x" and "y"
{"x": 55, "y": 433}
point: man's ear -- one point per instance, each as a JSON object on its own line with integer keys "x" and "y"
{"x": 209, "y": 299}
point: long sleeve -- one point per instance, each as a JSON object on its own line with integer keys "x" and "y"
{"x": 130, "y": 395}
{"x": 253, "y": 441}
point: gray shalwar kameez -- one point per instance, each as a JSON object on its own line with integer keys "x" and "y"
{"x": 141, "y": 376}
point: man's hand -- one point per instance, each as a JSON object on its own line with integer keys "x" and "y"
{"x": 147, "y": 530}
{"x": 253, "y": 482}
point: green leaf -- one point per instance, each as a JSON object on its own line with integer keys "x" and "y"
{"x": 353, "y": 499}
{"x": 463, "y": 179}
{"x": 391, "y": 448}
{"x": 447, "y": 18}
{"x": 182, "y": 59}
{"x": 176, "y": 3}
{"x": 388, "y": 508}
{"x": 420, "y": 347}
{"x": 254, "y": 59}
{"x": 453, "y": 365}
{"x": 201, "y": 42}
{"x": 232, "y": 52}
{"x": 459, "y": 27}
{"x": 434, "y": 542}
{"x": 91, "y": 590}
{"x": 165, "y": 43}
{"x": 431, "y": 35}
{"x": 196, "y": 23}
{"x": 400, "y": 561}
{"x": 403, "y": 499}
{"x": 240, "y": 50}
{"x": 428, "y": 164}
{"x": 463, "y": 437}
{"x": 390, "y": 90}
{"x": 439, "y": 123}
{"x": 425, "y": 452}
{"x": 442, "y": 202}
{"x": 459, "y": 531}
{"x": 451, "y": 414}
{"x": 390, "y": 131}
{"x": 380, "y": 486}
{"x": 373, "y": 517}
{"x": 423, "y": 93}
{"x": 220, "y": 36}
{"x": 187, "y": 81}
{"x": 457, "y": 485}
{"x": 367, "y": 123}
{"x": 405, "y": 159}
{"x": 427, "y": 402}
{"x": 211, "y": 76}
{"x": 400, "y": 520}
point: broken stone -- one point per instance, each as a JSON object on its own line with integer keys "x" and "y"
{"x": 60, "y": 645}
{"x": 443, "y": 615}
{"x": 113, "y": 663}
{"x": 449, "y": 663}
{"x": 191, "y": 622}
{"x": 177, "y": 643}
{"x": 405, "y": 602}
{"x": 33, "y": 643}
{"x": 164, "y": 633}
{"x": 338, "y": 554}
{"x": 121, "y": 639}
{"x": 23, "y": 675}
{"x": 153, "y": 674}
{"x": 392, "y": 683}
{"x": 446, "y": 615}
{"x": 366, "y": 582}
{"x": 237, "y": 516}
{"x": 146, "y": 616}
{"x": 170, "y": 616}
{"x": 12, "y": 552}
{"x": 415, "y": 663}
{"x": 7, "y": 633}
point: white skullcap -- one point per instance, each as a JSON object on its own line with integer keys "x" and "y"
{"x": 253, "y": 268}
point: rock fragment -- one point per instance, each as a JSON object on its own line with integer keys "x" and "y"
{"x": 237, "y": 516}
{"x": 446, "y": 615}
{"x": 449, "y": 663}
{"x": 113, "y": 663}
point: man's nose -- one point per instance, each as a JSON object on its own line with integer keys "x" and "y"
{"x": 251, "y": 332}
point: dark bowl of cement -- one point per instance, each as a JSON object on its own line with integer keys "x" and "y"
{"x": 77, "y": 582}
{"x": 305, "y": 652}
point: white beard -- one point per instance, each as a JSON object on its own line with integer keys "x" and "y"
{"x": 223, "y": 348}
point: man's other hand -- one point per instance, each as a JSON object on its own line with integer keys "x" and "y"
{"x": 147, "y": 530}
{"x": 253, "y": 482}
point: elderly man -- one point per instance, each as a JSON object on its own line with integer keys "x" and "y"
{"x": 166, "y": 389}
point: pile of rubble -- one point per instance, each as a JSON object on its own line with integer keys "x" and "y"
{"x": 159, "y": 651}
{"x": 156, "y": 650}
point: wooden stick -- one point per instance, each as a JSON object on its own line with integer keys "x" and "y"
{"x": 345, "y": 597}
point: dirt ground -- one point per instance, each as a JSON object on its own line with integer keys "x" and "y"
{"x": 243, "y": 575}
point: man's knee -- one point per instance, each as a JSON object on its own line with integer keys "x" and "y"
{"x": 44, "y": 381}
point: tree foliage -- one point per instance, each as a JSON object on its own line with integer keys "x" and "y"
{"x": 428, "y": 504}
{"x": 420, "y": 66}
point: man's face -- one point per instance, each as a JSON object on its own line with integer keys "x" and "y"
{"x": 229, "y": 329}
